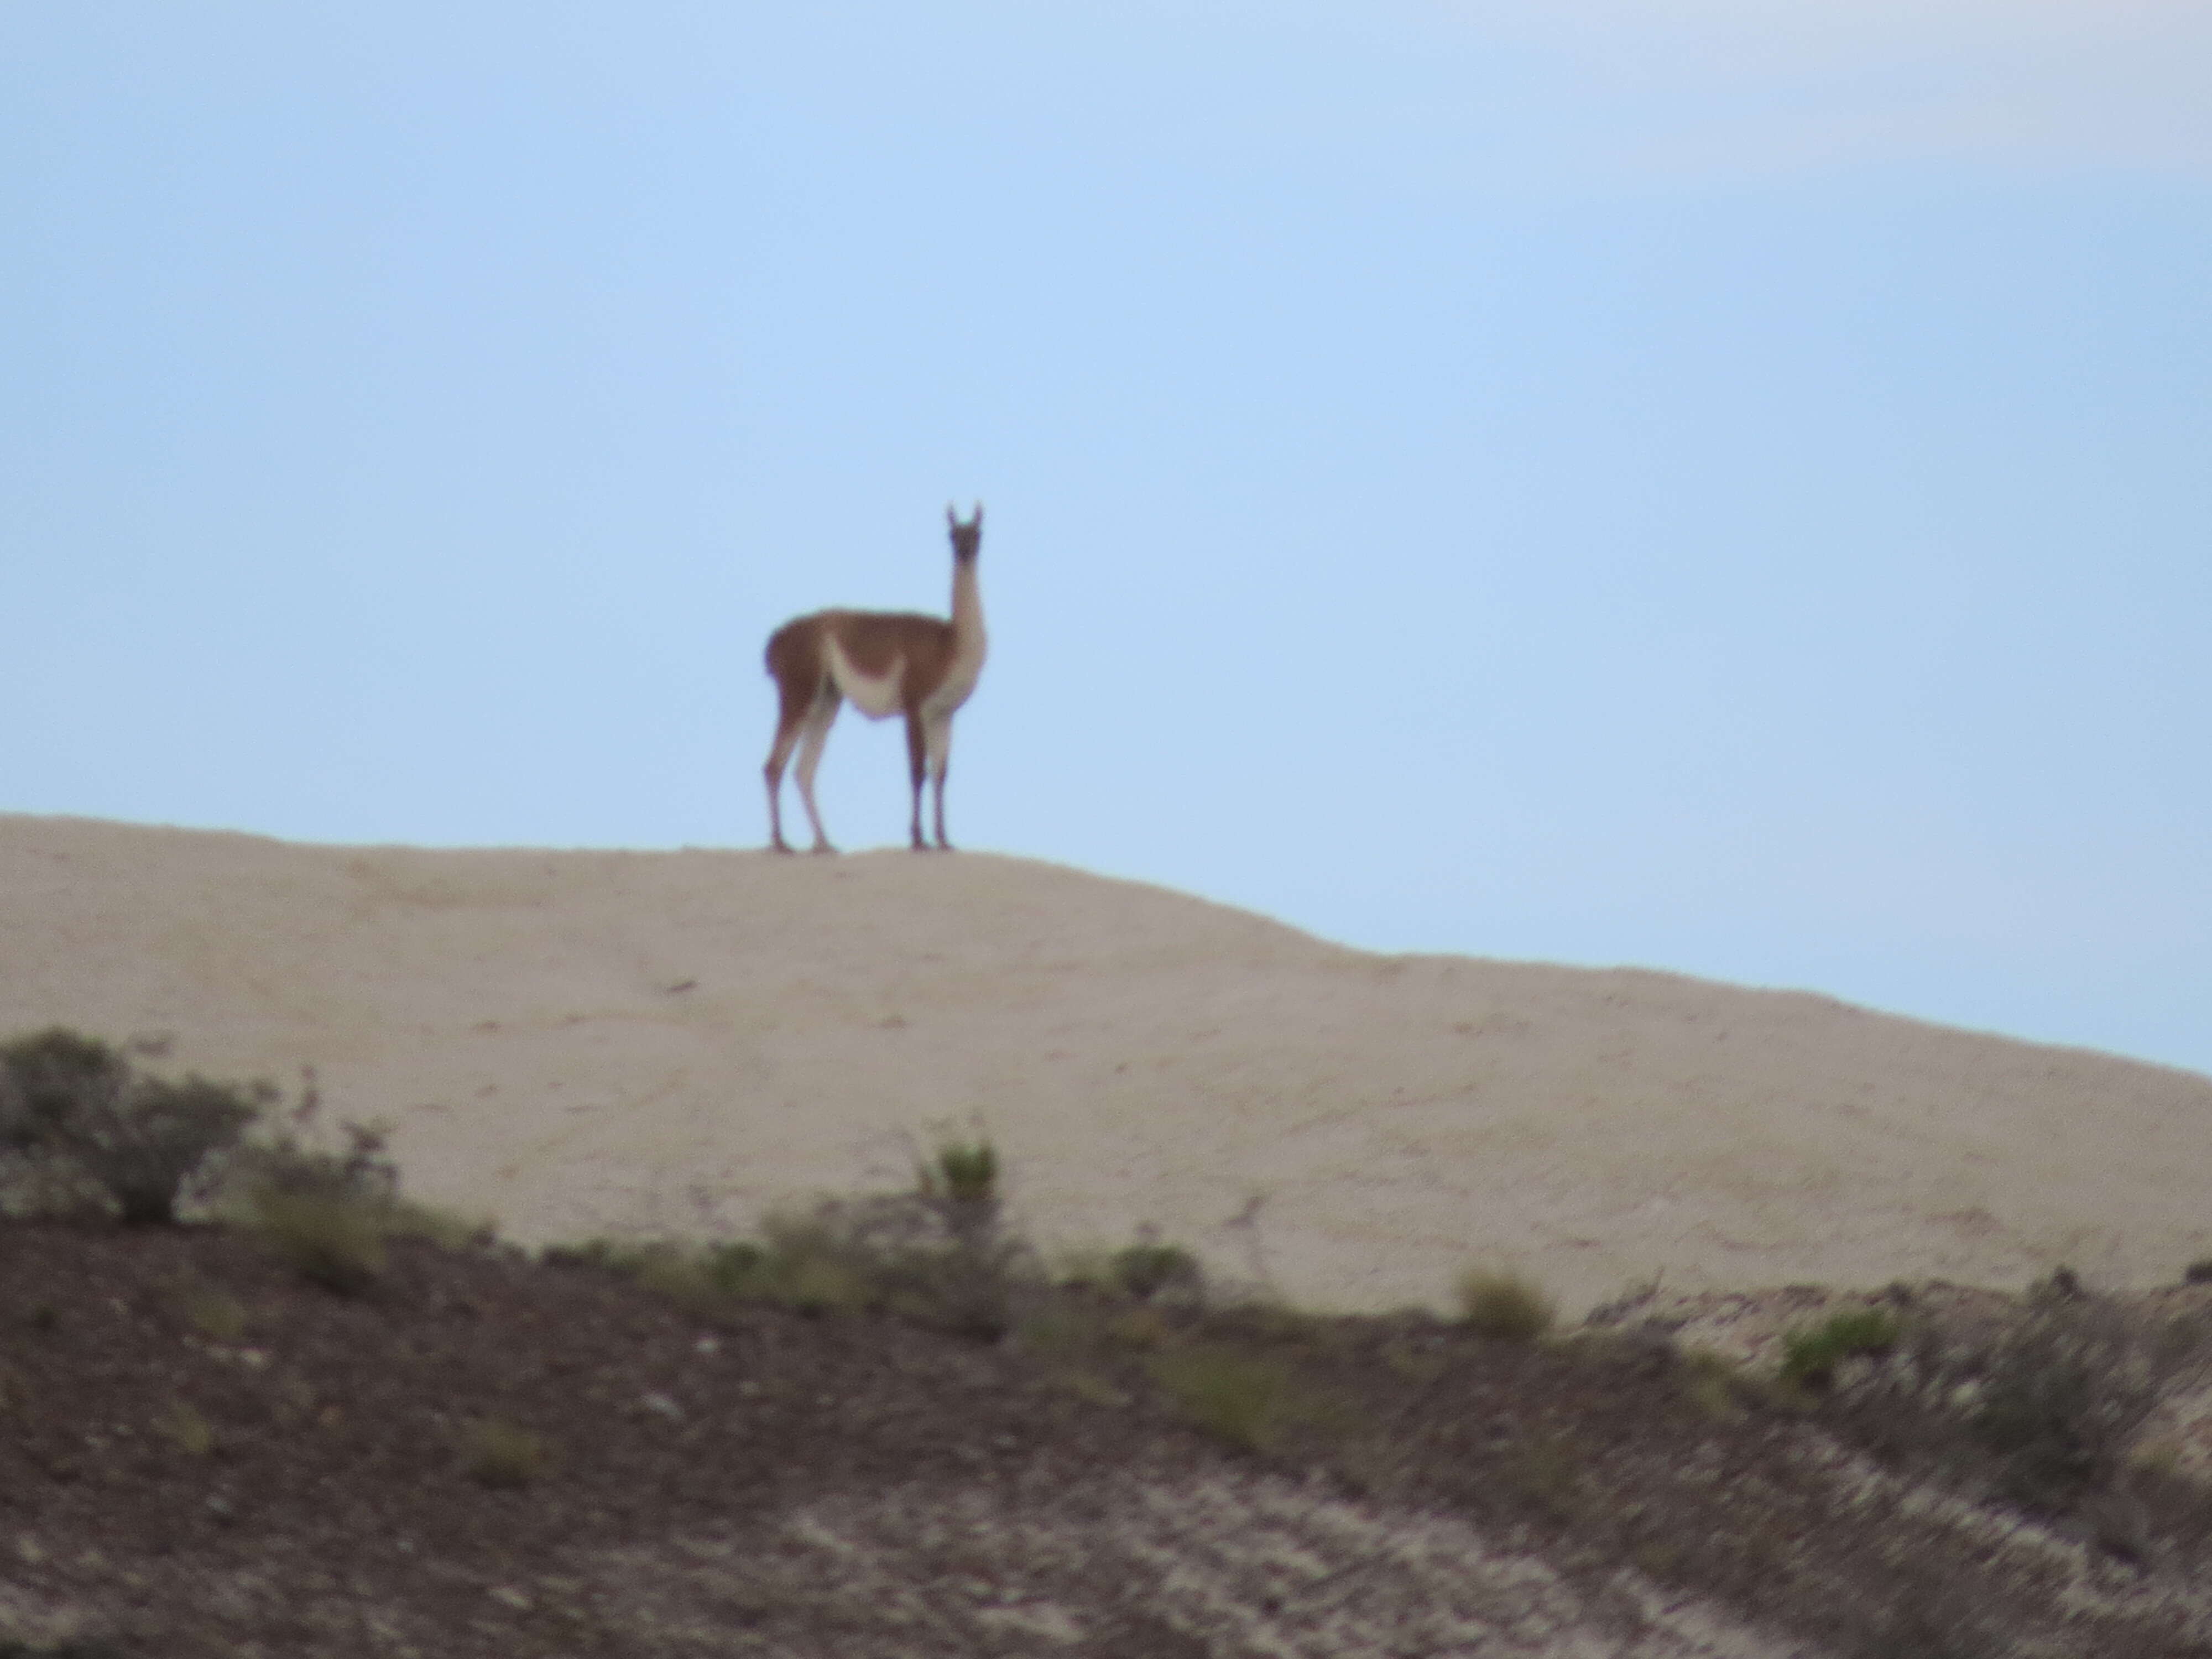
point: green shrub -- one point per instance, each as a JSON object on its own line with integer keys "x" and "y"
{"x": 1149, "y": 1268}
{"x": 964, "y": 1171}
{"x": 1810, "y": 1354}
{"x": 144, "y": 1142}
{"x": 1502, "y": 1303}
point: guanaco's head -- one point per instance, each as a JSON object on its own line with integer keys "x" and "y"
{"x": 966, "y": 537}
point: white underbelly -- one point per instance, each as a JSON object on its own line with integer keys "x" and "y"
{"x": 876, "y": 696}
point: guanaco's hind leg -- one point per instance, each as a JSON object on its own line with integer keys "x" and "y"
{"x": 819, "y": 718}
{"x": 798, "y": 684}
{"x": 787, "y": 739}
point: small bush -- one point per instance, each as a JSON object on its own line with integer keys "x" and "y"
{"x": 328, "y": 1209}
{"x": 335, "y": 1241}
{"x": 935, "y": 1255}
{"x": 1149, "y": 1268}
{"x": 2199, "y": 1271}
{"x": 499, "y": 1453}
{"x": 1242, "y": 1399}
{"x": 2065, "y": 1392}
{"x": 145, "y": 1143}
{"x": 959, "y": 1188}
{"x": 288, "y": 1160}
{"x": 964, "y": 1171}
{"x": 1811, "y": 1354}
{"x": 1503, "y": 1304}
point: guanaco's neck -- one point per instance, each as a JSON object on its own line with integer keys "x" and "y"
{"x": 967, "y": 609}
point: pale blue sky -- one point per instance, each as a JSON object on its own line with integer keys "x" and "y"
{"x": 1715, "y": 486}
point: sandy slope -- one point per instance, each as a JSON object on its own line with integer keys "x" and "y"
{"x": 589, "y": 1042}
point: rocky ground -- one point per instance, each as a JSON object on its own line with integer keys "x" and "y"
{"x": 203, "y": 1452}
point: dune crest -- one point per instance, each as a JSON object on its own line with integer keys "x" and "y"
{"x": 589, "y": 1042}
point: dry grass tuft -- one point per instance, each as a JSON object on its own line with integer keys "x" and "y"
{"x": 213, "y": 1312}
{"x": 1242, "y": 1399}
{"x": 186, "y": 1430}
{"x": 334, "y": 1240}
{"x": 1713, "y": 1384}
{"x": 1506, "y": 1304}
{"x": 499, "y": 1453}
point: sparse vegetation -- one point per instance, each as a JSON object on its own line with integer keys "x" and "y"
{"x": 1245, "y": 1399}
{"x": 333, "y": 1240}
{"x": 79, "y": 1121}
{"x": 934, "y": 1254}
{"x": 1548, "y": 1467}
{"x": 1149, "y": 1268}
{"x": 824, "y": 1354}
{"x": 2066, "y": 1389}
{"x": 1810, "y": 1356}
{"x": 329, "y": 1210}
{"x": 1504, "y": 1304}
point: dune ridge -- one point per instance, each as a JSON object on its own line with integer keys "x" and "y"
{"x": 586, "y": 1041}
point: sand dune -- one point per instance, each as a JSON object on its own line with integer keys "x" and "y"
{"x": 579, "y": 1042}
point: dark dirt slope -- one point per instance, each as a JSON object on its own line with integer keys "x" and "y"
{"x": 202, "y": 1454}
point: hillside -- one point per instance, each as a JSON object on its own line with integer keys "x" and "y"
{"x": 584, "y": 1043}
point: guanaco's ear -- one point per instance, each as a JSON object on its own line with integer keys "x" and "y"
{"x": 950, "y": 516}
{"x": 979, "y": 515}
